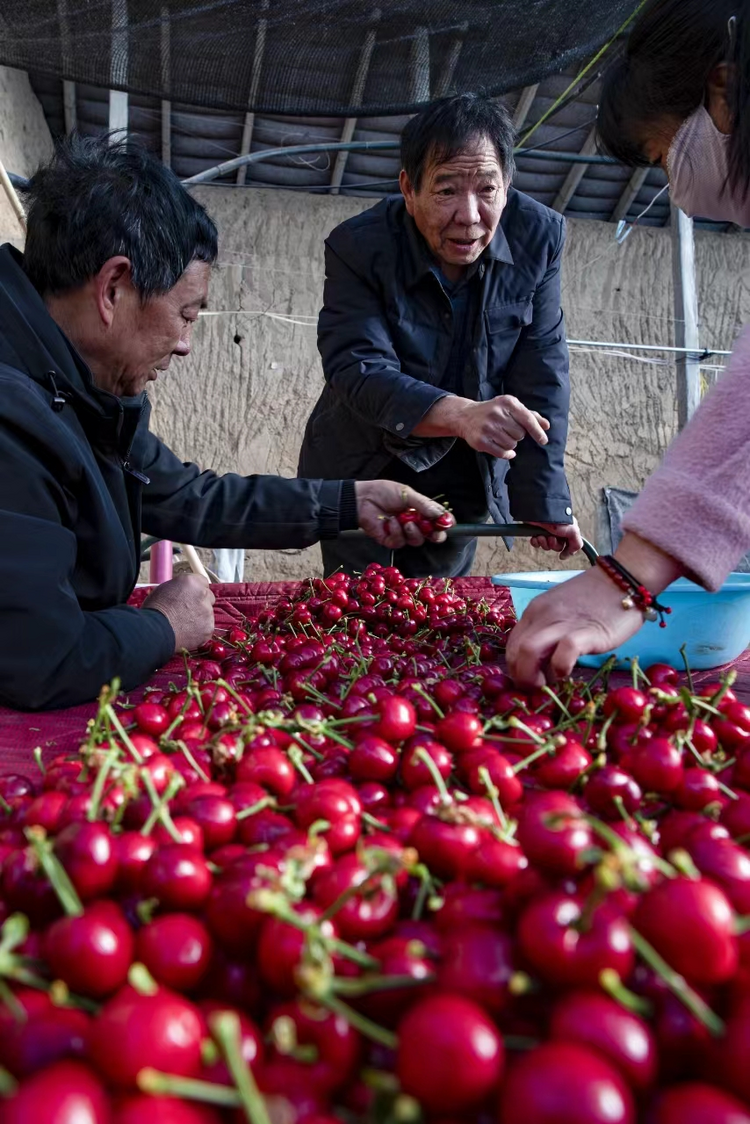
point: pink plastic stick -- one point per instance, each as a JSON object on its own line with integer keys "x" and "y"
{"x": 161, "y": 562}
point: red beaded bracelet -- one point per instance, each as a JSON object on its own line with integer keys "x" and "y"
{"x": 636, "y": 595}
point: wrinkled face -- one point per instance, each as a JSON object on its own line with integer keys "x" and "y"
{"x": 458, "y": 205}
{"x": 144, "y": 336}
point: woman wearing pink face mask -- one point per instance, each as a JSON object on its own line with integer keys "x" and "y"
{"x": 679, "y": 96}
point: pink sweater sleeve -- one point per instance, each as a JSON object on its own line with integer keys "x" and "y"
{"x": 696, "y": 506}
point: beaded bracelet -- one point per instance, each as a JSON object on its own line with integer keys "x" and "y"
{"x": 636, "y": 595}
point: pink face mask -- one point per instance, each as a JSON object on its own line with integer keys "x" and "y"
{"x": 698, "y": 165}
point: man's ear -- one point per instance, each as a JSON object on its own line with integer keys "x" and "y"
{"x": 110, "y": 284}
{"x": 717, "y": 96}
{"x": 407, "y": 190}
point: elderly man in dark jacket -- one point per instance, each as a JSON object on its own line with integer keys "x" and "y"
{"x": 443, "y": 342}
{"x": 114, "y": 274}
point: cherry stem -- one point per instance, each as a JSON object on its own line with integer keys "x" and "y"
{"x": 176, "y": 720}
{"x": 141, "y": 980}
{"x": 237, "y": 697}
{"x": 543, "y": 751}
{"x": 494, "y": 795}
{"x": 157, "y": 1084}
{"x": 422, "y": 755}
{"x": 336, "y": 737}
{"x": 686, "y": 740}
{"x": 109, "y": 711}
{"x": 160, "y": 810}
{"x": 688, "y": 672}
{"x": 558, "y": 701}
{"x": 610, "y": 982}
{"x": 225, "y": 1028}
{"x": 57, "y": 875}
{"x": 316, "y": 694}
{"x": 728, "y": 681}
{"x": 601, "y": 739}
{"x": 38, "y": 760}
{"x": 253, "y": 809}
{"x": 307, "y": 748}
{"x": 425, "y": 887}
{"x": 373, "y": 821}
{"x": 419, "y": 690}
{"x": 621, "y": 848}
{"x": 192, "y": 762}
{"x": 349, "y": 893}
{"x": 360, "y": 1022}
{"x": 294, "y": 753}
{"x": 14, "y": 931}
{"x": 364, "y": 985}
{"x": 677, "y": 984}
{"x": 625, "y": 816}
{"x": 276, "y": 904}
{"x": 516, "y": 724}
{"x": 101, "y": 779}
{"x": 8, "y": 1084}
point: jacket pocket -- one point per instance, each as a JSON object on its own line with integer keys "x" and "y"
{"x": 503, "y": 318}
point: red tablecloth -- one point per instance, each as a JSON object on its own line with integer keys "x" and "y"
{"x": 61, "y": 731}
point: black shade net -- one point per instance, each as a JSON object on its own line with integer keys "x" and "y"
{"x": 324, "y": 57}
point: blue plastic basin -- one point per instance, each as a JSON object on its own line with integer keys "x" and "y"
{"x": 714, "y": 627}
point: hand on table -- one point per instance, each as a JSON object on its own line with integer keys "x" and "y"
{"x": 378, "y": 504}
{"x": 564, "y": 538}
{"x": 187, "y": 603}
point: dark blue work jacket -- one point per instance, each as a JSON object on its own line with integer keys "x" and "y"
{"x": 385, "y": 334}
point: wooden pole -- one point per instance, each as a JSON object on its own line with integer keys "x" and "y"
{"x": 13, "y": 199}
{"x": 195, "y": 563}
{"x": 686, "y": 315}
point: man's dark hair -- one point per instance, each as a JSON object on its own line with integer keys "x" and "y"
{"x": 96, "y": 200}
{"x": 664, "y": 71}
{"x": 448, "y": 125}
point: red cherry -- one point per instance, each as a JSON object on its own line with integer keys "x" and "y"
{"x": 691, "y": 924}
{"x": 564, "y": 1083}
{"x": 450, "y": 1055}
{"x": 600, "y": 1023}
{"x": 68, "y": 1092}
{"x": 176, "y": 948}
{"x": 133, "y": 1031}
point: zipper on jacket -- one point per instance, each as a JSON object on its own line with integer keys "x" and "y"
{"x": 136, "y": 472}
{"x": 127, "y": 466}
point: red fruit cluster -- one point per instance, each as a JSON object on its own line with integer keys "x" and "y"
{"x": 427, "y": 527}
{"x": 383, "y": 605}
{"x": 347, "y": 864}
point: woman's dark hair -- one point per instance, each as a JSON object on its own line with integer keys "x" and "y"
{"x": 448, "y": 125}
{"x": 97, "y": 199}
{"x": 665, "y": 69}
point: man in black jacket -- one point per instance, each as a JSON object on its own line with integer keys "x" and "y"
{"x": 113, "y": 276}
{"x": 443, "y": 342}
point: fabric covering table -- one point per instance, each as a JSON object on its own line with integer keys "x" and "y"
{"x": 61, "y": 731}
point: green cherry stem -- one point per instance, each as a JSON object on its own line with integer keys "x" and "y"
{"x": 157, "y": 1084}
{"x": 225, "y": 1028}
{"x": 677, "y": 984}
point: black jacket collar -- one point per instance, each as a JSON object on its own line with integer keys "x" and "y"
{"x": 31, "y": 342}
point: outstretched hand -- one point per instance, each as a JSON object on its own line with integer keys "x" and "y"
{"x": 379, "y": 502}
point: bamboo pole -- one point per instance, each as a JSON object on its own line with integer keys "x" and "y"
{"x": 13, "y": 199}
{"x": 195, "y": 563}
